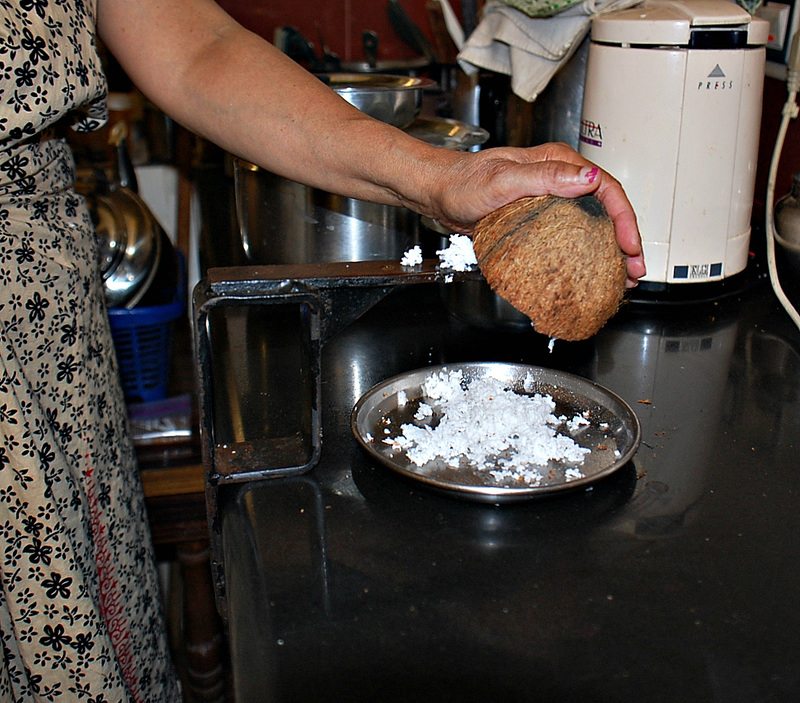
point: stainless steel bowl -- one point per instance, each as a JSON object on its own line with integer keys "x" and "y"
{"x": 396, "y": 100}
{"x": 447, "y": 133}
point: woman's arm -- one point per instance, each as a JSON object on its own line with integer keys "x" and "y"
{"x": 235, "y": 89}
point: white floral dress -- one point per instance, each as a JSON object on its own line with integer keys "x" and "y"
{"x": 80, "y": 616}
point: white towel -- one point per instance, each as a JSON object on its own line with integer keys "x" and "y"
{"x": 529, "y": 49}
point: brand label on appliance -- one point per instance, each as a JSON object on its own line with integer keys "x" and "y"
{"x": 716, "y": 80}
{"x": 591, "y": 133}
{"x": 697, "y": 271}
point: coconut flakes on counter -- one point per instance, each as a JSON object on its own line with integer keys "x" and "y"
{"x": 489, "y": 426}
{"x": 459, "y": 255}
{"x": 412, "y": 257}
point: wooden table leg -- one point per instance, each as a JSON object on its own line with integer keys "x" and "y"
{"x": 202, "y": 627}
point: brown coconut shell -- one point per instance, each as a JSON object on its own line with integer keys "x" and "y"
{"x": 556, "y": 260}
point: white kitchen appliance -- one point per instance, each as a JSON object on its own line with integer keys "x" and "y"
{"x": 672, "y": 109}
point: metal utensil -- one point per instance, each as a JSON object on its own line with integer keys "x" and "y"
{"x": 369, "y": 42}
{"x": 111, "y": 239}
{"x": 447, "y": 133}
{"x": 129, "y": 236}
{"x": 403, "y": 67}
{"x": 444, "y": 48}
{"x": 298, "y": 48}
{"x": 330, "y": 61}
{"x": 409, "y": 32}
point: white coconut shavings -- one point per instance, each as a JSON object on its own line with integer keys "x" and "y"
{"x": 486, "y": 425}
{"x": 576, "y": 423}
{"x": 528, "y": 383}
{"x": 423, "y": 411}
{"x": 412, "y": 257}
{"x": 459, "y": 255}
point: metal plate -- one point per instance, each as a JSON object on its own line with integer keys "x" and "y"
{"x": 613, "y": 433}
{"x": 447, "y": 133}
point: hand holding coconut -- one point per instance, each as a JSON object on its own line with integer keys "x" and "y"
{"x": 564, "y": 248}
{"x": 488, "y": 180}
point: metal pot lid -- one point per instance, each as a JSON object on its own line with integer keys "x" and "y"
{"x": 612, "y": 435}
{"x": 111, "y": 237}
{"x": 447, "y": 133}
{"x": 152, "y": 271}
{"x": 386, "y": 66}
{"x": 139, "y": 235}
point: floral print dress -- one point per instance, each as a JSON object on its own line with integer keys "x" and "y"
{"x": 80, "y": 616}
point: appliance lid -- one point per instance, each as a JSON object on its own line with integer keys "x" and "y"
{"x": 698, "y": 24}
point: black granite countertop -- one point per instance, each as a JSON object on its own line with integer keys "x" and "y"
{"x": 677, "y": 578}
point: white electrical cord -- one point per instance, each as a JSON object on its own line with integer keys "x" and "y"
{"x": 790, "y": 111}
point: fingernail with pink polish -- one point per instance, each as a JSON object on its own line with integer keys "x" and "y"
{"x": 589, "y": 174}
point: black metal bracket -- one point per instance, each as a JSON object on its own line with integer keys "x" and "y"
{"x": 327, "y": 297}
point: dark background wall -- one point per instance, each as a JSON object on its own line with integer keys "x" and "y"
{"x": 340, "y": 22}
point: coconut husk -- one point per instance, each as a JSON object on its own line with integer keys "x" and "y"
{"x": 556, "y": 260}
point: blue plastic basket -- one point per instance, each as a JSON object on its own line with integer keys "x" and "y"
{"x": 143, "y": 342}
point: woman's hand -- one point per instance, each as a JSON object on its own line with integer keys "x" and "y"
{"x": 475, "y": 184}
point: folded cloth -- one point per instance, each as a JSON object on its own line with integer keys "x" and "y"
{"x": 530, "y": 49}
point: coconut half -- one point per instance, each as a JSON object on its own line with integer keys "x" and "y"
{"x": 556, "y": 260}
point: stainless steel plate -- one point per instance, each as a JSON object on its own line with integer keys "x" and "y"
{"x": 613, "y": 433}
{"x": 447, "y": 133}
